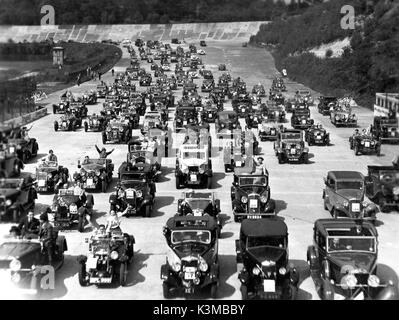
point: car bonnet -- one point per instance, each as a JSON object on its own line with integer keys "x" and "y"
{"x": 17, "y": 249}
{"x": 261, "y": 254}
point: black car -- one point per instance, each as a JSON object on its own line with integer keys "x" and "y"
{"x": 326, "y": 104}
{"x": 185, "y": 115}
{"x": 250, "y": 195}
{"x": 343, "y": 261}
{"x": 290, "y": 147}
{"x": 226, "y": 122}
{"x": 262, "y": 261}
{"x": 192, "y": 262}
{"x": 95, "y": 123}
{"x": 365, "y": 144}
{"x": 382, "y": 186}
{"x": 209, "y": 112}
{"x": 317, "y": 135}
{"x": 386, "y": 129}
{"x": 25, "y": 150}
{"x": 301, "y": 119}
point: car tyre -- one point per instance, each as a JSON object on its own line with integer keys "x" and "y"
{"x": 81, "y": 224}
{"x": 86, "y": 127}
{"x": 55, "y": 126}
{"x": 123, "y": 274}
{"x": 82, "y": 275}
{"x": 244, "y": 292}
{"x": 166, "y": 290}
{"x": 104, "y": 186}
{"x": 280, "y": 158}
{"x": 214, "y": 290}
{"x": 147, "y": 211}
{"x": 209, "y": 182}
{"x": 177, "y": 182}
{"x": 306, "y": 158}
{"x": 104, "y": 138}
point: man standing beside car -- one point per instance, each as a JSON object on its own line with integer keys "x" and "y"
{"x": 46, "y": 235}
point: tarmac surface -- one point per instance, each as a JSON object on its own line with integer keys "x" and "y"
{"x": 297, "y": 190}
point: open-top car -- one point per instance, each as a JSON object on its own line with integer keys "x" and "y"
{"x": 343, "y": 196}
{"x": 268, "y": 131}
{"x": 254, "y": 119}
{"x": 24, "y": 149}
{"x": 193, "y": 166}
{"x": 68, "y": 122}
{"x": 382, "y": 186}
{"x": 153, "y": 119}
{"x": 209, "y": 112}
{"x": 317, "y": 135}
{"x": 94, "y": 174}
{"x": 226, "y": 122}
{"x": 101, "y": 91}
{"x": 327, "y": 104}
{"x": 272, "y": 112}
{"x": 25, "y": 264}
{"x": 305, "y": 96}
{"x": 250, "y": 195}
{"x": 301, "y": 119}
{"x": 135, "y": 190}
{"x": 49, "y": 176}
{"x": 207, "y": 85}
{"x": 343, "y": 261}
{"x": 79, "y": 109}
{"x": 386, "y": 129}
{"x": 259, "y": 90}
{"x": 185, "y": 115}
{"x": 365, "y": 144}
{"x": 10, "y": 164}
{"x": 66, "y": 209}
{"x": 117, "y": 131}
{"x": 343, "y": 118}
{"x": 108, "y": 259}
{"x": 61, "y": 107}
{"x": 192, "y": 260}
{"x": 95, "y": 123}
{"x": 290, "y": 146}
{"x": 17, "y": 196}
{"x": 262, "y": 261}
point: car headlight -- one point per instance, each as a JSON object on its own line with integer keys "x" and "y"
{"x": 282, "y": 271}
{"x": 108, "y": 129}
{"x": 139, "y": 193}
{"x": 362, "y": 142}
{"x": 373, "y": 281}
{"x": 16, "y": 277}
{"x": 263, "y": 199}
{"x": 256, "y": 271}
{"x": 98, "y": 173}
{"x": 174, "y": 261}
{"x": 8, "y": 202}
{"x": 114, "y": 255}
{"x": 348, "y": 282}
{"x": 15, "y": 265}
{"x": 346, "y": 204}
{"x": 203, "y": 266}
{"x": 244, "y": 199}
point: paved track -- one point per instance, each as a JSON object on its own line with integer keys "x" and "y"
{"x": 297, "y": 190}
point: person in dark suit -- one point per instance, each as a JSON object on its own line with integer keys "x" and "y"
{"x": 46, "y": 234}
{"x": 29, "y": 225}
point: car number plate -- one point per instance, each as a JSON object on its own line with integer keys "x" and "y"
{"x": 189, "y": 274}
{"x": 367, "y": 144}
{"x": 242, "y": 110}
{"x": 318, "y": 137}
{"x": 12, "y": 149}
{"x": 253, "y": 203}
{"x": 184, "y": 123}
{"x": 91, "y": 263}
{"x": 42, "y": 183}
{"x": 356, "y": 207}
{"x": 293, "y": 151}
{"x": 193, "y": 178}
{"x": 269, "y": 285}
{"x": 129, "y": 194}
{"x": 303, "y": 121}
{"x": 210, "y": 115}
{"x": 254, "y": 217}
{"x": 238, "y": 163}
{"x": 89, "y": 182}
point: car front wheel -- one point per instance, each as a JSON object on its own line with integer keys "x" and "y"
{"x": 82, "y": 275}
{"x": 166, "y": 290}
{"x": 244, "y": 292}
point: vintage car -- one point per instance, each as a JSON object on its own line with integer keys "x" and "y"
{"x": 95, "y": 123}
{"x": 209, "y": 112}
{"x": 135, "y": 190}
{"x": 145, "y": 80}
{"x": 24, "y": 149}
{"x": 207, "y": 85}
{"x": 268, "y": 131}
{"x": 343, "y": 196}
{"x": 305, "y": 96}
{"x": 207, "y": 75}
{"x": 10, "y": 164}
{"x": 250, "y": 195}
{"x": 226, "y": 122}
{"x": 242, "y": 106}
{"x": 102, "y": 91}
{"x": 222, "y": 67}
{"x": 117, "y": 131}
{"x": 65, "y": 211}
{"x": 301, "y": 119}
{"x": 272, "y": 112}
{"x": 365, "y": 144}
{"x": 48, "y": 176}
{"x": 153, "y": 119}
{"x": 68, "y": 122}
{"x": 290, "y": 147}
{"x": 386, "y": 129}
{"x": 317, "y": 135}
{"x": 185, "y": 115}
{"x": 259, "y": 90}
{"x": 253, "y": 120}
{"x": 262, "y": 261}
{"x": 108, "y": 259}
{"x": 343, "y": 118}
{"x": 199, "y": 205}
{"x": 327, "y": 104}
{"x": 382, "y": 186}
{"x": 89, "y": 98}
{"x": 25, "y": 264}
{"x": 145, "y": 150}
{"x": 79, "y": 109}
{"x": 193, "y": 166}
{"x": 61, "y": 107}
{"x": 192, "y": 260}
{"x": 17, "y": 196}
{"x": 94, "y": 174}
{"x": 343, "y": 261}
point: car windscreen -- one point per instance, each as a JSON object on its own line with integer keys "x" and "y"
{"x": 227, "y": 117}
{"x": 100, "y": 246}
{"x": 194, "y": 155}
{"x": 266, "y": 241}
{"x": 291, "y": 136}
{"x": 349, "y": 185}
{"x": 346, "y": 244}
{"x": 152, "y": 117}
{"x": 250, "y": 181}
{"x": 182, "y": 236}
{"x": 130, "y": 177}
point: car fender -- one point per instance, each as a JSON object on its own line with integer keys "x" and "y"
{"x": 390, "y": 292}
{"x": 271, "y": 206}
{"x": 81, "y": 259}
{"x": 306, "y": 150}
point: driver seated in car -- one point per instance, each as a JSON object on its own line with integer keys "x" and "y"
{"x": 86, "y": 160}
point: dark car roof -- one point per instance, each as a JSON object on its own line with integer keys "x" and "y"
{"x": 324, "y": 225}
{"x": 263, "y": 228}
{"x": 198, "y": 195}
{"x": 346, "y": 175}
{"x": 192, "y": 222}
{"x": 227, "y": 112}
